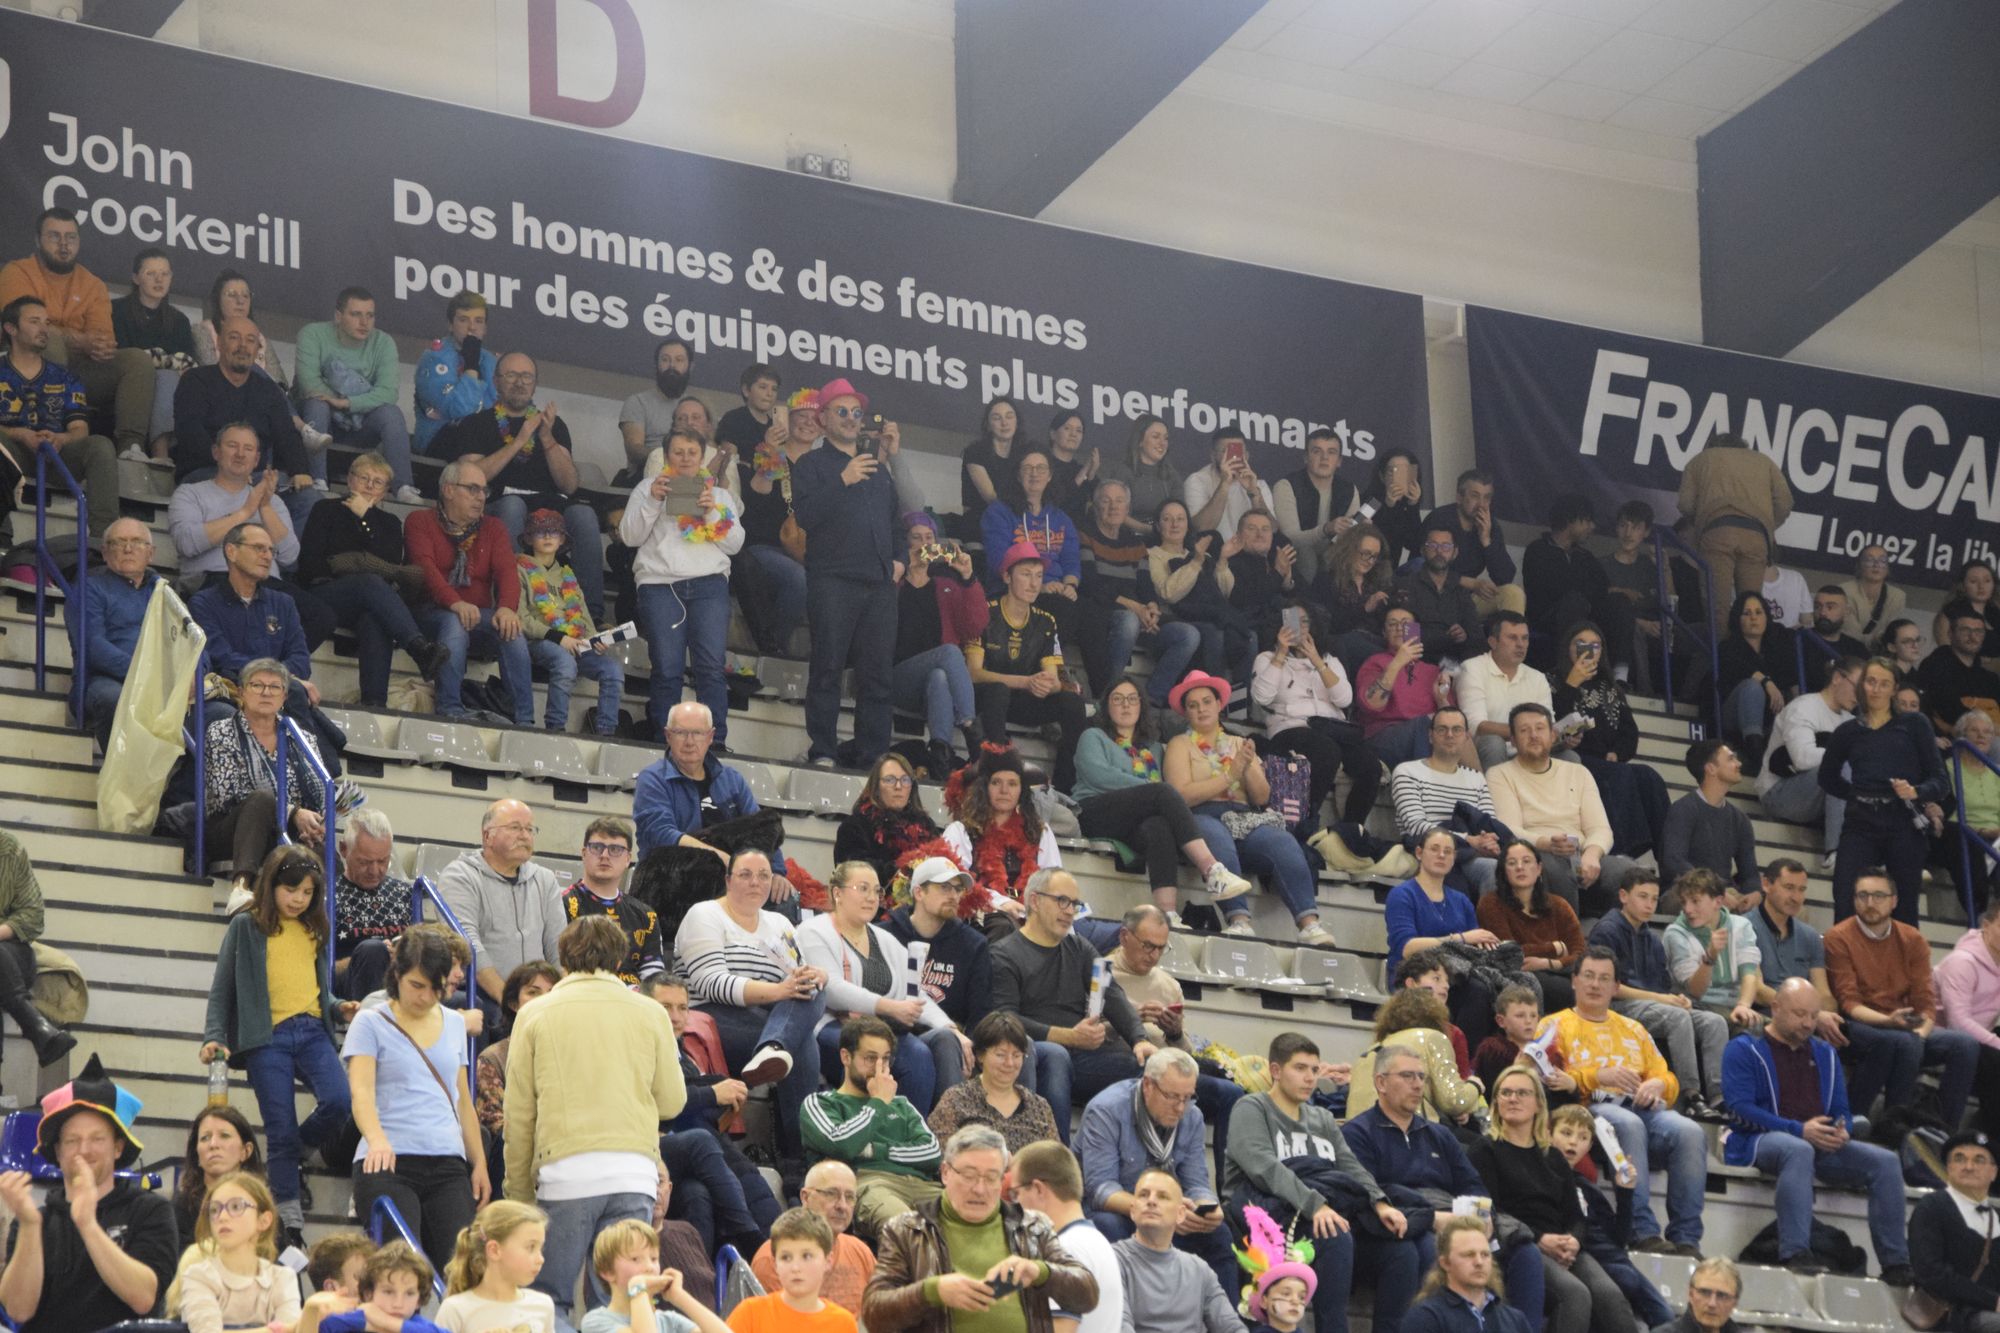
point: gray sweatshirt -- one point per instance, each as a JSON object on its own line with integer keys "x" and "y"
{"x": 507, "y": 921}
{"x": 1165, "y": 1288}
{"x": 1261, "y": 1137}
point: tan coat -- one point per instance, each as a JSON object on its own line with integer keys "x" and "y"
{"x": 1446, "y": 1095}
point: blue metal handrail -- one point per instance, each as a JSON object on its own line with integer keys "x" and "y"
{"x": 289, "y": 734}
{"x": 46, "y": 569}
{"x": 1966, "y": 836}
{"x": 1802, "y": 636}
{"x": 1705, "y": 634}
{"x": 423, "y": 891}
{"x": 385, "y": 1211}
{"x": 726, "y": 1258}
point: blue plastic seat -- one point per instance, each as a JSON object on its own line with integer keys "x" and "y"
{"x": 17, "y": 1147}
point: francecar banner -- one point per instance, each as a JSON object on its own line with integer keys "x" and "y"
{"x": 590, "y": 248}
{"x": 1559, "y": 407}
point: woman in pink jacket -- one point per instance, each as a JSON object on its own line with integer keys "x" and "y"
{"x": 1399, "y": 692}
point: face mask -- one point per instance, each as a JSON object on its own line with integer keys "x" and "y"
{"x": 673, "y": 383}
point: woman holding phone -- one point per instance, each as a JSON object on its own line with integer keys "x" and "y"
{"x": 683, "y": 528}
{"x": 1305, "y": 695}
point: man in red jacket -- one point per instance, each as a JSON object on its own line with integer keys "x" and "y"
{"x": 474, "y": 585}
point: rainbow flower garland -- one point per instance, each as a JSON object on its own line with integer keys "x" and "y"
{"x": 694, "y": 528}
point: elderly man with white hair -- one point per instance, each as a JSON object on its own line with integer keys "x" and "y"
{"x": 1152, "y": 1122}
{"x": 473, "y": 585}
{"x": 510, "y": 909}
{"x": 371, "y": 903}
{"x": 690, "y": 789}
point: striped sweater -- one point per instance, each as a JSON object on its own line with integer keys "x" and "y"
{"x": 869, "y": 1135}
{"x": 1425, "y": 797}
{"x": 720, "y": 957}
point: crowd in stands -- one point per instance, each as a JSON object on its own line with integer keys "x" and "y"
{"x": 990, "y": 1100}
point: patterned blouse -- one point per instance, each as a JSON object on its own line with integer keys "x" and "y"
{"x": 1033, "y": 1121}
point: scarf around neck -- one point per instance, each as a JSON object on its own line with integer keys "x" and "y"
{"x": 1156, "y": 1143}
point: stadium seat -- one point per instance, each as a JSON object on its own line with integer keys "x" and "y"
{"x": 767, "y": 783}
{"x": 456, "y": 744}
{"x": 1342, "y": 974}
{"x": 1182, "y": 962}
{"x": 1854, "y": 1303}
{"x": 1775, "y": 1296}
{"x": 1245, "y": 963}
{"x": 540, "y": 754}
{"x": 432, "y": 858}
{"x": 829, "y": 795}
{"x": 783, "y": 677}
{"x": 624, "y": 763}
{"x": 365, "y": 737}
{"x": 1669, "y": 1274}
{"x": 567, "y": 870}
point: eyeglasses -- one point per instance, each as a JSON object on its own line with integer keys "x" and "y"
{"x": 1407, "y": 1075}
{"x": 264, "y": 687}
{"x": 1124, "y": 700}
{"x": 1713, "y": 1294}
{"x": 529, "y": 829}
{"x": 1439, "y": 548}
{"x": 1061, "y": 903}
{"x": 123, "y": 543}
{"x": 231, "y": 1208}
{"x": 838, "y": 1196}
{"x": 984, "y": 1179}
{"x": 472, "y": 486}
{"x": 845, "y": 413}
{"x": 688, "y": 733}
{"x": 896, "y": 780}
{"x": 1147, "y": 947}
{"x": 1872, "y": 895}
{"x": 1446, "y": 729}
{"x": 1174, "y": 1098}
{"x": 1367, "y": 557}
{"x": 607, "y": 849}
{"x": 1875, "y": 561}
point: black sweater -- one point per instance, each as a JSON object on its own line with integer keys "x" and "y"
{"x": 1903, "y": 747}
{"x": 1738, "y": 661}
{"x": 333, "y": 529}
{"x": 1613, "y": 729}
{"x": 1944, "y": 1251}
{"x": 1534, "y": 1186}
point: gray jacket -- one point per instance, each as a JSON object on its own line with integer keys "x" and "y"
{"x": 508, "y": 922}
{"x": 1261, "y": 1138}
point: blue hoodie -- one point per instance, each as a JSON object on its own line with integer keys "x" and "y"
{"x": 666, "y": 803}
{"x": 443, "y": 394}
{"x": 1750, "y": 1091}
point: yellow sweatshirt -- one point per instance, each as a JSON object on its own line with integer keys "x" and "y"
{"x": 1588, "y": 1047}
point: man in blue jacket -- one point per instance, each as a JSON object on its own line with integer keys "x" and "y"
{"x": 844, "y": 496}
{"x": 1152, "y": 1122}
{"x": 1788, "y": 1096}
{"x": 116, "y": 598}
{"x": 689, "y": 789}
{"x": 455, "y": 373}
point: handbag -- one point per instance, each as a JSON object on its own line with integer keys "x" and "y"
{"x": 1290, "y": 777}
{"x": 790, "y": 535}
{"x": 1921, "y": 1310}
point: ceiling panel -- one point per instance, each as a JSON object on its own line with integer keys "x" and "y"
{"x": 1796, "y": 30}
{"x": 1546, "y": 43}
{"x": 1632, "y": 61}
{"x": 1490, "y": 83}
{"x": 1404, "y": 64}
{"x": 1459, "y": 28}
{"x": 1697, "y": 20}
{"x": 1676, "y": 120}
{"x": 1578, "y": 101}
{"x": 1722, "y": 80}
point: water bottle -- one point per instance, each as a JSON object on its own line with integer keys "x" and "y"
{"x": 218, "y": 1082}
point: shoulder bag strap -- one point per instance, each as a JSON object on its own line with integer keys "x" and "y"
{"x": 436, "y": 1077}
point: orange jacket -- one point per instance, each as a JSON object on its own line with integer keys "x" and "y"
{"x": 77, "y": 300}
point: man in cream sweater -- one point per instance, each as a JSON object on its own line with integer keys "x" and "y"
{"x": 1556, "y": 807}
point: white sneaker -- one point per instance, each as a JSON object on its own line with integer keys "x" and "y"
{"x": 1174, "y": 923}
{"x": 1240, "y": 926}
{"x": 137, "y": 453}
{"x": 409, "y": 495}
{"x": 240, "y": 897}
{"x": 316, "y": 440}
{"x": 1318, "y": 936}
{"x": 1223, "y": 883}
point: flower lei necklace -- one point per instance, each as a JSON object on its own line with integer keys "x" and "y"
{"x": 1218, "y": 750}
{"x": 770, "y": 462}
{"x": 693, "y": 528}
{"x": 1144, "y": 765}
{"x": 522, "y": 426}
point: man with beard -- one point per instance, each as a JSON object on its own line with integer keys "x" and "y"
{"x": 210, "y": 399}
{"x": 649, "y": 414}
{"x": 455, "y": 373}
{"x": 1444, "y": 608}
{"x": 81, "y": 338}
{"x": 43, "y": 405}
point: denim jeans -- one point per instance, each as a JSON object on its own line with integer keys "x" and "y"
{"x": 382, "y": 426}
{"x": 1888, "y": 1060}
{"x": 716, "y": 1189}
{"x": 1801, "y": 800}
{"x": 1174, "y": 646}
{"x": 780, "y": 588}
{"x": 100, "y": 706}
{"x": 1402, "y": 741}
{"x": 563, "y": 667}
{"x": 164, "y": 384}
{"x": 938, "y": 684}
{"x": 790, "y": 1023}
{"x": 380, "y": 619}
{"x": 686, "y": 625}
{"x": 1744, "y": 709}
{"x": 1854, "y": 1165}
{"x": 853, "y": 624}
{"x": 586, "y": 539}
{"x": 921, "y": 1064}
{"x": 299, "y": 1051}
{"x": 1065, "y": 1077}
{"x": 514, "y": 664}
{"x": 573, "y": 1227}
{"x": 1659, "y": 1137}
{"x": 1396, "y": 1267}
{"x": 1270, "y": 853}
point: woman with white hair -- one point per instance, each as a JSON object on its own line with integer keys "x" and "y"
{"x": 241, "y": 794}
{"x": 1982, "y": 808}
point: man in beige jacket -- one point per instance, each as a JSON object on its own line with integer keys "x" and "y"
{"x": 1737, "y": 497}
{"x": 592, "y": 1070}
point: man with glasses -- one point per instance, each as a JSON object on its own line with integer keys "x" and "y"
{"x": 844, "y": 496}
{"x": 523, "y": 451}
{"x": 690, "y": 789}
{"x": 1951, "y": 1232}
{"x": 1953, "y": 679}
{"x": 1712, "y": 1294}
{"x": 43, "y": 406}
{"x": 371, "y": 903}
{"x": 348, "y": 383}
{"x": 115, "y": 597}
{"x": 1447, "y": 616}
{"x": 510, "y": 908}
{"x": 1152, "y": 1121}
{"x": 474, "y": 583}
{"x": 1428, "y": 793}
{"x": 600, "y": 891}
{"x": 869, "y": 1125}
{"x": 830, "y": 1191}
{"x": 1880, "y": 971}
{"x": 1480, "y": 563}
{"x": 234, "y": 389}
{"x": 1042, "y": 974}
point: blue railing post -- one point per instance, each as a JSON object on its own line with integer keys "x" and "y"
{"x": 1967, "y": 835}
{"x": 46, "y": 569}
{"x": 385, "y": 1211}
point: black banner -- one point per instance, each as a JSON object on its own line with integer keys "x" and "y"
{"x": 590, "y": 248}
{"x": 1559, "y": 407}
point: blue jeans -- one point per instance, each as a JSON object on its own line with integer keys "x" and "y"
{"x": 1642, "y": 1294}
{"x": 1064, "y": 1076}
{"x": 1801, "y": 800}
{"x": 853, "y": 624}
{"x": 1270, "y": 853}
{"x": 1396, "y": 1267}
{"x": 743, "y": 1028}
{"x": 717, "y": 1190}
{"x": 100, "y": 706}
{"x": 562, "y": 667}
{"x": 1888, "y": 1059}
{"x": 458, "y": 641}
{"x": 1216, "y": 1098}
{"x": 924, "y": 1063}
{"x": 1402, "y": 741}
{"x": 586, "y": 540}
{"x": 1743, "y": 710}
{"x": 299, "y": 1051}
{"x": 1174, "y": 647}
{"x": 164, "y": 384}
{"x": 1657, "y": 1136}
{"x": 780, "y": 584}
{"x": 381, "y": 426}
{"x": 938, "y": 683}
{"x": 1854, "y": 1165}
{"x": 686, "y": 625}
{"x": 380, "y": 619}
{"x": 573, "y": 1227}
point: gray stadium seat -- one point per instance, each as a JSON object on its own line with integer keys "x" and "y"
{"x": 783, "y": 677}
{"x": 1246, "y": 963}
{"x": 768, "y": 783}
{"x": 624, "y": 763}
{"x": 1669, "y": 1274}
{"x": 831, "y": 795}
{"x": 459, "y": 744}
{"x": 1854, "y": 1303}
{"x": 365, "y": 736}
{"x": 1343, "y": 975}
{"x": 1775, "y": 1296}
{"x": 1182, "y": 959}
{"x": 541, "y": 754}
{"x": 567, "y": 870}
{"x": 432, "y": 858}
